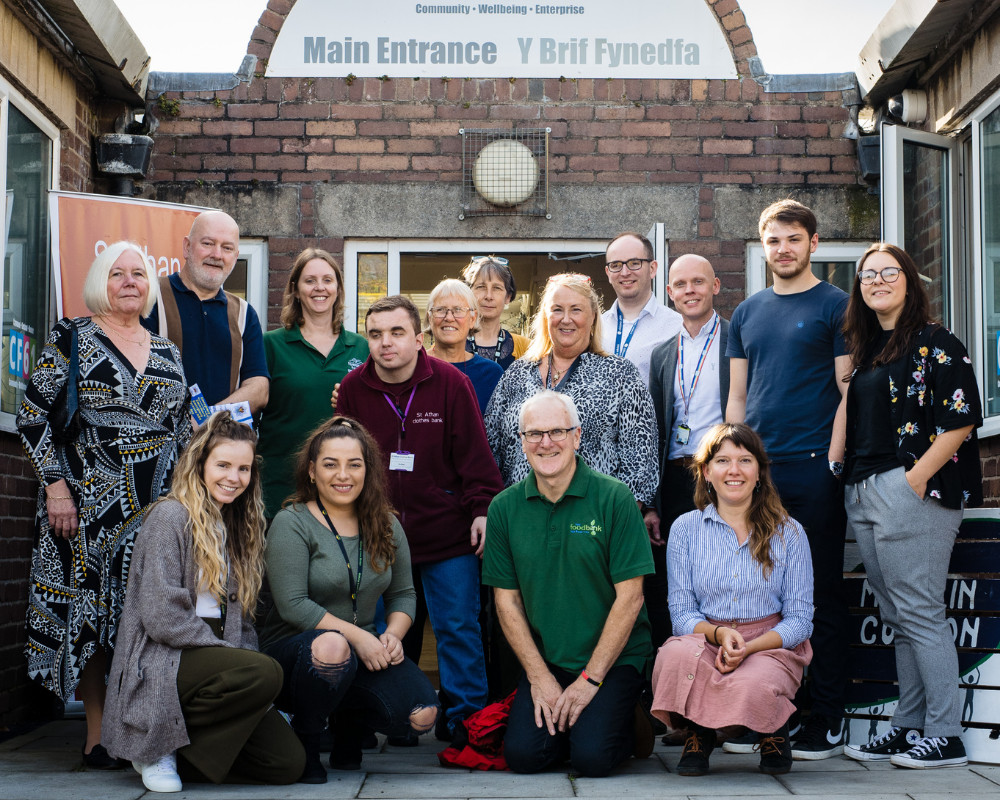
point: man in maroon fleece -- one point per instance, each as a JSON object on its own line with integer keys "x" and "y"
{"x": 442, "y": 476}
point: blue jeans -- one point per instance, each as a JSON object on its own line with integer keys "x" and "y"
{"x": 381, "y": 700}
{"x": 602, "y": 738}
{"x": 450, "y": 589}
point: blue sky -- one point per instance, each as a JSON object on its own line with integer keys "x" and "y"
{"x": 792, "y": 36}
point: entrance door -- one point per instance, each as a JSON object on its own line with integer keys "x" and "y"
{"x": 374, "y": 268}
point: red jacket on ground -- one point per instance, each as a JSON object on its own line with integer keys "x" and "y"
{"x": 454, "y": 476}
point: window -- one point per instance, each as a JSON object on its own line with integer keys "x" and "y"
{"x": 249, "y": 277}
{"x": 833, "y": 262}
{"x": 986, "y": 249}
{"x": 28, "y": 161}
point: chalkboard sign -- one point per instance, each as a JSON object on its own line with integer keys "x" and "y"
{"x": 972, "y": 596}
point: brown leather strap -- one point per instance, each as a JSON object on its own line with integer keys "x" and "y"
{"x": 172, "y": 315}
{"x": 236, "y": 336}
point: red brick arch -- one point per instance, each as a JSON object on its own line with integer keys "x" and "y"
{"x": 731, "y": 20}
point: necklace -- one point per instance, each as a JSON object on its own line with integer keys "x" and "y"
{"x": 143, "y": 333}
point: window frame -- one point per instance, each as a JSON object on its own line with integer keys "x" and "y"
{"x": 756, "y": 266}
{"x": 975, "y": 341}
{"x": 10, "y": 96}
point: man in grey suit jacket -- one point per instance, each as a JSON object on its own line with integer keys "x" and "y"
{"x": 689, "y": 396}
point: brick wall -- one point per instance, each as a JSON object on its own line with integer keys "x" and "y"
{"x": 702, "y": 135}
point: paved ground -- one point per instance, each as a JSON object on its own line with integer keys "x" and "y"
{"x": 45, "y": 765}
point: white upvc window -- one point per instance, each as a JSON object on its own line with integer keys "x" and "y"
{"x": 29, "y": 166}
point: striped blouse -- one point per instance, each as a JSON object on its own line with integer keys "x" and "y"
{"x": 711, "y": 575}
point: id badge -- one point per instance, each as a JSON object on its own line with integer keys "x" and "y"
{"x": 683, "y": 434}
{"x": 401, "y": 461}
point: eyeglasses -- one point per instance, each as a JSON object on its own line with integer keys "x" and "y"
{"x": 554, "y": 434}
{"x": 501, "y": 261}
{"x": 441, "y": 312}
{"x": 888, "y": 275}
{"x": 634, "y": 264}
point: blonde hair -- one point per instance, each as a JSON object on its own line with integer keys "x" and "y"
{"x": 541, "y": 342}
{"x": 95, "y": 287}
{"x": 291, "y": 306}
{"x": 233, "y": 533}
{"x": 450, "y": 287}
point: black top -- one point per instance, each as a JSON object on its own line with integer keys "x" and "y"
{"x": 874, "y": 428}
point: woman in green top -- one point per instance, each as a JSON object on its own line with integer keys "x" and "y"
{"x": 330, "y": 556}
{"x": 306, "y": 357}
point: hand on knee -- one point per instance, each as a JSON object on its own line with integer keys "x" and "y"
{"x": 330, "y": 654}
{"x": 422, "y": 719}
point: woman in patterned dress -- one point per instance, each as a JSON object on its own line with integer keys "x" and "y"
{"x": 616, "y": 409}
{"x": 911, "y": 466}
{"x": 133, "y": 404}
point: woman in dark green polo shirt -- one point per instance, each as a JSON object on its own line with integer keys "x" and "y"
{"x": 306, "y": 357}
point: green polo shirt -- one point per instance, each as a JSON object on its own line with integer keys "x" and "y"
{"x": 565, "y": 559}
{"x": 302, "y": 380}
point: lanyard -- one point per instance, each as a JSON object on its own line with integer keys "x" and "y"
{"x": 619, "y": 349}
{"x": 501, "y": 337}
{"x": 355, "y": 587}
{"x": 402, "y": 417}
{"x": 686, "y": 399}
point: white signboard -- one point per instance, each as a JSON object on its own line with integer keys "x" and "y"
{"x": 591, "y": 39}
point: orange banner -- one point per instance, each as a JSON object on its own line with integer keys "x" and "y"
{"x": 84, "y": 224}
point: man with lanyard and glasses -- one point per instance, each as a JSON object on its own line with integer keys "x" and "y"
{"x": 637, "y": 321}
{"x": 425, "y": 417}
{"x": 689, "y": 382}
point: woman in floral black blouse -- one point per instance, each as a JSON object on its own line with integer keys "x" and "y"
{"x": 912, "y": 465}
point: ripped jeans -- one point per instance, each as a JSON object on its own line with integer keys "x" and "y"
{"x": 381, "y": 701}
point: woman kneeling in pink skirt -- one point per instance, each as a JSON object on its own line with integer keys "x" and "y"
{"x": 741, "y": 602}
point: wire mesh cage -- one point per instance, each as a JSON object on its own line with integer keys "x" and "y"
{"x": 505, "y": 172}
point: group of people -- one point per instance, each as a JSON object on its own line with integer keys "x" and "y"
{"x": 638, "y": 481}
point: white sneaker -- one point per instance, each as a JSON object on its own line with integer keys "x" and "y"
{"x": 161, "y": 775}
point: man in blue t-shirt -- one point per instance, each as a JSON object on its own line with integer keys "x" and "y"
{"x": 787, "y": 364}
{"x": 219, "y": 335}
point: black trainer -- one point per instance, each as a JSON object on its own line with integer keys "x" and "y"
{"x": 697, "y": 749}
{"x": 820, "y": 737}
{"x": 893, "y": 741}
{"x": 746, "y": 743}
{"x": 775, "y": 752}
{"x": 931, "y": 752}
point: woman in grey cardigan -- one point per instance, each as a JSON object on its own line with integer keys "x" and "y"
{"x": 188, "y": 693}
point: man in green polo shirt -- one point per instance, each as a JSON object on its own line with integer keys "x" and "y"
{"x": 566, "y": 550}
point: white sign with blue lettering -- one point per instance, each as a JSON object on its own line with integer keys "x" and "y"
{"x": 405, "y": 39}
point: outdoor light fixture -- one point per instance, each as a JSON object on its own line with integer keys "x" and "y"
{"x": 909, "y": 106}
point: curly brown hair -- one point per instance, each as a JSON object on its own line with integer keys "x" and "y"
{"x": 372, "y": 507}
{"x": 766, "y": 516}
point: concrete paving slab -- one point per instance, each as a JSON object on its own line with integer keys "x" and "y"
{"x": 718, "y": 783}
{"x": 72, "y": 786}
{"x": 337, "y": 787}
{"x": 925, "y": 781}
{"x": 476, "y": 784}
{"x": 990, "y": 773}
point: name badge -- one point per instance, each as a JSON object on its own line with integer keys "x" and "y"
{"x": 401, "y": 461}
{"x": 683, "y": 434}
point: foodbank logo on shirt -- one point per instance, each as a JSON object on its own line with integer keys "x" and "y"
{"x": 354, "y": 364}
{"x": 593, "y": 528}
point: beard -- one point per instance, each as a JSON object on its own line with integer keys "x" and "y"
{"x": 791, "y": 270}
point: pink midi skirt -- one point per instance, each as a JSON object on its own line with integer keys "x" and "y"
{"x": 758, "y": 694}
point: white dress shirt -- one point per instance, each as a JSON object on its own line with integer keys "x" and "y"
{"x": 704, "y": 409}
{"x": 655, "y": 324}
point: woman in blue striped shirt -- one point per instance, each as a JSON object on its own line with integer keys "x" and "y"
{"x": 741, "y": 603}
